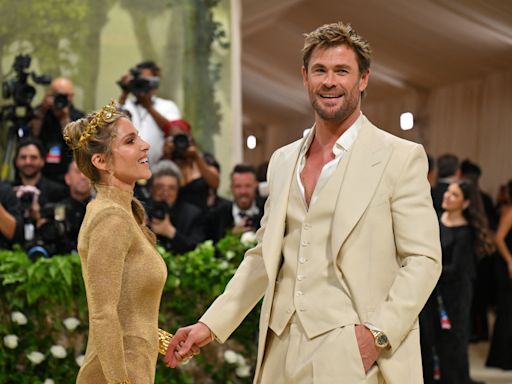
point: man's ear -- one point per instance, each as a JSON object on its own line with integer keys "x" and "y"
{"x": 99, "y": 161}
{"x": 304, "y": 73}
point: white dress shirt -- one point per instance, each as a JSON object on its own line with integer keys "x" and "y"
{"x": 341, "y": 147}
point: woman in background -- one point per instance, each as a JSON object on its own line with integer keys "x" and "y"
{"x": 124, "y": 275}
{"x": 500, "y": 352}
{"x": 464, "y": 237}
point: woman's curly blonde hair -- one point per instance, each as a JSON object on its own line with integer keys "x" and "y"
{"x": 93, "y": 134}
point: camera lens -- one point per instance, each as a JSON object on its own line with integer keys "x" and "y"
{"x": 37, "y": 251}
{"x": 181, "y": 142}
{"x": 26, "y": 200}
{"x": 158, "y": 210}
{"x": 60, "y": 100}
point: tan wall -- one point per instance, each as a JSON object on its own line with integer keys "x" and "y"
{"x": 471, "y": 119}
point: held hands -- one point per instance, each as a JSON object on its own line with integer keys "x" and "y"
{"x": 367, "y": 348}
{"x": 186, "y": 343}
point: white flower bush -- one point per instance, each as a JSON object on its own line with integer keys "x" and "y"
{"x": 19, "y": 318}
{"x": 223, "y": 265}
{"x": 230, "y": 356}
{"x": 35, "y": 357}
{"x": 240, "y": 360}
{"x": 230, "y": 254}
{"x": 11, "y": 341}
{"x": 49, "y": 381}
{"x": 58, "y": 351}
{"x": 71, "y": 323}
{"x": 248, "y": 238}
{"x": 243, "y": 371}
{"x": 80, "y": 360}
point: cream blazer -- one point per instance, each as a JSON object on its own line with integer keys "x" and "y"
{"x": 385, "y": 238}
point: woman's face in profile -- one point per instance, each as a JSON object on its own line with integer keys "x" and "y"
{"x": 129, "y": 154}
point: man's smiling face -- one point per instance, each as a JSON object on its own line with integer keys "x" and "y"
{"x": 334, "y": 83}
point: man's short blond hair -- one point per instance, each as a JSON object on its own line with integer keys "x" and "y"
{"x": 332, "y": 35}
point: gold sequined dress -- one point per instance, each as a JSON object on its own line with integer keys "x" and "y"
{"x": 124, "y": 277}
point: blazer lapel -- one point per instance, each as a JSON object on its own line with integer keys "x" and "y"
{"x": 363, "y": 173}
{"x": 284, "y": 172}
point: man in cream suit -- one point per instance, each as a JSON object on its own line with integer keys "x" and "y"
{"x": 348, "y": 251}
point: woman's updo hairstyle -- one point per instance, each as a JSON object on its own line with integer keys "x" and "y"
{"x": 93, "y": 134}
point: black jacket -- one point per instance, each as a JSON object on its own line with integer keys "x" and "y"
{"x": 189, "y": 223}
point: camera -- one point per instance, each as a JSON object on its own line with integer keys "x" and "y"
{"x": 157, "y": 210}
{"x": 53, "y": 237}
{"x": 26, "y": 200}
{"x": 181, "y": 143}
{"x": 250, "y": 220}
{"x": 140, "y": 84}
{"x": 19, "y": 112}
{"x": 60, "y": 100}
{"x": 18, "y": 88}
{"x": 26, "y": 195}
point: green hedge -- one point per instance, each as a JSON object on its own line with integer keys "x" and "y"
{"x": 36, "y": 298}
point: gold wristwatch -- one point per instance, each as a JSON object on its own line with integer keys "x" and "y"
{"x": 381, "y": 340}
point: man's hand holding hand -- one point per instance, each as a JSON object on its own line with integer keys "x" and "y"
{"x": 186, "y": 343}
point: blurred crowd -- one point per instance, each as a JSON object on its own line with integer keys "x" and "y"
{"x": 476, "y": 241}
{"x": 43, "y": 207}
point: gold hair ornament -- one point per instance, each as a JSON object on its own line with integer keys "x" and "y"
{"x": 105, "y": 115}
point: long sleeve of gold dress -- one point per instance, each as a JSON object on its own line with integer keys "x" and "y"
{"x": 124, "y": 277}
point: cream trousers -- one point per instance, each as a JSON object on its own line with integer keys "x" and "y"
{"x": 331, "y": 358}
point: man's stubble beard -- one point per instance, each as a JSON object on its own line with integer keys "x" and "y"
{"x": 340, "y": 114}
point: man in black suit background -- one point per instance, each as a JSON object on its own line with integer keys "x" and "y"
{"x": 244, "y": 212}
{"x": 179, "y": 226}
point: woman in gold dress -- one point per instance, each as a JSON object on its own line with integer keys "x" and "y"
{"x": 123, "y": 273}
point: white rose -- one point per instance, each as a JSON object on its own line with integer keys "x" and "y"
{"x": 230, "y": 356}
{"x": 240, "y": 360}
{"x": 35, "y": 357}
{"x": 19, "y": 318}
{"x": 230, "y": 254}
{"x": 71, "y": 323}
{"x": 49, "y": 381}
{"x": 223, "y": 265}
{"x": 80, "y": 360}
{"x": 243, "y": 371}
{"x": 11, "y": 341}
{"x": 248, "y": 238}
{"x": 58, "y": 351}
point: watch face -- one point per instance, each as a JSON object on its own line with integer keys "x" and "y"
{"x": 382, "y": 340}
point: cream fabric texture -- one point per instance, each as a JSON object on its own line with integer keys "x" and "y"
{"x": 384, "y": 240}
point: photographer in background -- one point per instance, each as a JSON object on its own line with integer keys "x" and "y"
{"x": 11, "y": 218}
{"x": 51, "y": 116}
{"x": 68, "y": 225}
{"x": 198, "y": 176}
{"x": 150, "y": 114}
{"x": 244, "y": 213}
{"x": 33, "y": 190}
{"x": 179, "y": 225}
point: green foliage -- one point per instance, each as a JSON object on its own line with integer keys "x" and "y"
{"x": 201, "y": 73}
{"x": 49, "y": 290}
